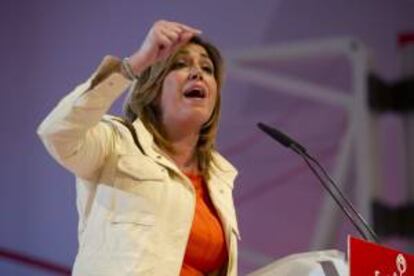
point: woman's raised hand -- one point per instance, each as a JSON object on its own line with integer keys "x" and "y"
{"x": 163, "y": 38}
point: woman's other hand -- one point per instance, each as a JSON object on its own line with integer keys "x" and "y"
{"x": 163, "y": 38}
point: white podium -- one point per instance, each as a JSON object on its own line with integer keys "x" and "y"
{"x": 316, "y": 263}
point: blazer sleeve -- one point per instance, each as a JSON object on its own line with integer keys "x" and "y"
{"x": 73, "y": 132}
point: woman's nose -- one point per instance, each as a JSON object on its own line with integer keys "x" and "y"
{"x": 195, "y": 73}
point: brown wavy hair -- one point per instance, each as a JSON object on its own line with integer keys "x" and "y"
{"x": 142, "y": 103}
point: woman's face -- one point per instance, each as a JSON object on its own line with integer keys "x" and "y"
{"x": 189, "y": 90}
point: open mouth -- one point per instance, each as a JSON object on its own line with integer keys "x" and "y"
{"x": 195, "y": 93}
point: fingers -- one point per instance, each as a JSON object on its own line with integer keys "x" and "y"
{"x": 172, "y": 35}
{"x": 162, "y": 40}
{"x": 184, "y": 38}
{"x": 186, "y": 28}
{"x": 177, "y": 32}
{"x": 164, "y": 46}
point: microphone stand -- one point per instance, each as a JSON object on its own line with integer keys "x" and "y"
{"x": 344, "y": 204}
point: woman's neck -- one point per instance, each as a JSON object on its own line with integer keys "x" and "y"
{"x": 183, "y": 144}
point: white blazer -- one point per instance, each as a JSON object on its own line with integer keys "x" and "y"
{"x": 135, "y": 207}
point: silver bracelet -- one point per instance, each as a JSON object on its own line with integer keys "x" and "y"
{"x": 128, "y": 70}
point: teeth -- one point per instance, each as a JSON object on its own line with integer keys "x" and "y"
{"x": 194, "y": 93}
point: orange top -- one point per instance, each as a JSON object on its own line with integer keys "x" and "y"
{"x": 206, "y": 248}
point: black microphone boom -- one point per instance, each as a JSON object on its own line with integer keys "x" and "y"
{"x": 345, "y": 205}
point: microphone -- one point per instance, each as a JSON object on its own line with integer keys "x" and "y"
{"x": 344, "y": 204}
{"x": 282, "y": 138}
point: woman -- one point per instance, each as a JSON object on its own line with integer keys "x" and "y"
{"x": 153, "y": 196}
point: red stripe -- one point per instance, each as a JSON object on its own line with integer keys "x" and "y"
{"x": 34, "y": 262}
{"x": 405, "y": 39}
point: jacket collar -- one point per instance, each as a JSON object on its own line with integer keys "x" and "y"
{"x": 223, "y": 169}
{"x": 220, "y": 167}
{"x": 150, "y": 148}
{"x": 145, "y": 138}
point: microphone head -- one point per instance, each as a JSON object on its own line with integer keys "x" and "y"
{"x": 275, "y": 134}
{"x": 281, "y": 137}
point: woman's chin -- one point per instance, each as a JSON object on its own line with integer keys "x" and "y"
{"x": 197, "y": 118}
